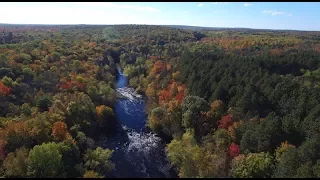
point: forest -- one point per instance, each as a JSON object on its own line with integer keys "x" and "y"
{"x": 237, "y": 103}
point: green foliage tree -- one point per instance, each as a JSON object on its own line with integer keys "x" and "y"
{"x": 26, "y": 109}
{"x": 110, "y": 33}
{"x": 44, "y": 102}
{"x": 7, "y": 81}
{"x": 253, "y": 165}
{"x": 191, "y": 107}
{"x": 23, "y": 58}
{"x": 98, "y": 160}
{"x": 156, "y": 118}
{"x": 194, "y": 161}
{"x": 45, "y": 160}
{"x": 287, "y": 163}
{"x": 316, "y": 169}
{"x": 70, "y": 158}
{"x": 181, "y": 153}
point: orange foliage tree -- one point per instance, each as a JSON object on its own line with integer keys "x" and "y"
{"x": 60, "y": 131}
{"x": 18, "y": 128}
{"x": 164, "y": 96}
{"x": 158, "y": 67}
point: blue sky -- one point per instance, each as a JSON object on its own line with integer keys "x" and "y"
{"x": 262, "y": 15}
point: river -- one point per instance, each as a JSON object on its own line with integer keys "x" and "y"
{"x": 138, "y": 153}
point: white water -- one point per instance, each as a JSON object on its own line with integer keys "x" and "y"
{"x": 129, "y": 93}
{"x": 137, "y": 153}
{"x": 142, "y": 142}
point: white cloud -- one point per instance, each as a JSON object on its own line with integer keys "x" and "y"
{"x": 199, "y": 5}
{"x": 185, "y": 12}
{"x": 247, "y": 4}
{"x": 275, "y": 13}
{"x": 219, "y": 3}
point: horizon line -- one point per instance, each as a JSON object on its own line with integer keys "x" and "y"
{"x": 163, "y": 25}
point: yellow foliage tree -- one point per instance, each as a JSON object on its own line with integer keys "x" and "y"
{"x": 92, "y": 174}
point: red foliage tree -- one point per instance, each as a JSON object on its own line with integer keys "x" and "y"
{"x": 4, "y": 90}
{"x": 179, "y": 97}
{"x": 234, "y": 150}
{"x": 164, "y": 96}
{"x": 71, "y": 84}
{"x": 225, "y": 121}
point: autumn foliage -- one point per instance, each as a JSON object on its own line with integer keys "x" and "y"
{"x": 18, "y": 128}
{"x": 99, "y": 110}
{"x": 225, "y": 121}
{"x": 254, "y": 72}
{"x": 2, "y": 146}
{"x": 164, "y": 96}
{"x": 105, "y": 114}
{"x": 158, "y": 67}
{"x": 168, "y": 67}
{"x": 174, "y": 91}
{"x": 92, "y": 44}
{"x": 283, "y": 148}
{"x": 153, "y": 58}
{"x": 4, "y": 90}
{"x": 234, "y": 150}
{"x": 60, "y": 130}
{"x": 71, "y": 84}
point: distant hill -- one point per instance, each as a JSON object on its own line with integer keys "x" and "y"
{"x": 200, "y": 28}
{"x": 204, "y": 28}
{"x": 185, "y": 27}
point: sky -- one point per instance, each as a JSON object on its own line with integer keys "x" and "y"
{"x": 257, "y": 15}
